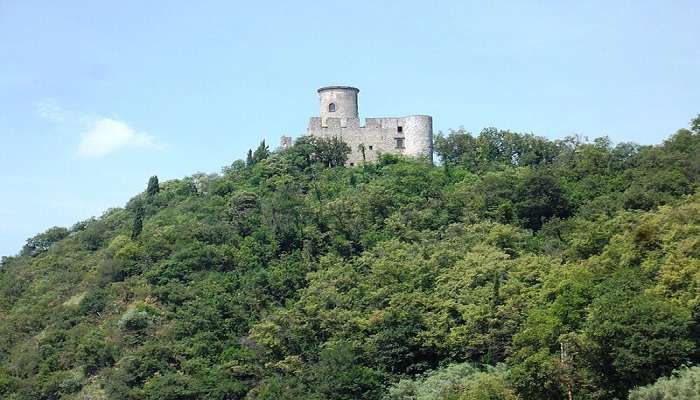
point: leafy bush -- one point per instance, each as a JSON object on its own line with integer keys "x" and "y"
{"x": 43, "y": 241}
{"x": 458, "y": 382}
{"x": 94, "y": 352}
{"x": 684, "y": 384}
{"x": 135, "y": 320}
{"x": 93, "y": 303}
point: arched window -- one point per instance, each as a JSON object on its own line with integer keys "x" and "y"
{"x": 331, "y": 107}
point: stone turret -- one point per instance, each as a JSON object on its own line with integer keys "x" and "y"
{"x": 338, "y": 102}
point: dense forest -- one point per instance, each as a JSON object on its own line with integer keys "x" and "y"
{"x": 517, "y": 268}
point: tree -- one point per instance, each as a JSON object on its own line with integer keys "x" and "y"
{"x": 310, "y": 150}
{"x": 94, "y": 353}
{"x": 94, "y": 235}
{"x": 350, "y": 379}
{"x": 261, "y": 153}
{"x": 636, "y": 338}
{"x": 332, "y": 152}
{"x": 361, "y": 147}
{"x": 695, "y": 125}
{"x": 459, "y": 147}
{"x": 137, "y": 226}
{"x": 283, "y": 213}
{"x": 43, "y": 241}
{"x": 244, "y": 212}
{"x": 249, "y": 158}
{"x": 153, "y": 186}
{"x": 538, "y": 197}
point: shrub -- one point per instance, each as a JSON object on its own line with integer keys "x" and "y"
{"x": 93, "y": 302}
{"x": 94, "y": 352}
{"x": 684, "y": 384}
{"x": 455, "y": 382}
{"x": 134, "y": 320}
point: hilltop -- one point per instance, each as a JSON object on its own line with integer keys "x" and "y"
{"x": 519, "y": 268}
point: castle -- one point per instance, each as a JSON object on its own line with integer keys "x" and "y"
{"x": 410, "y": 136}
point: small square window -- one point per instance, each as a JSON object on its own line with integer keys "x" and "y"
{"x": 399, "y": 143}
{"x": 370, "y": 147}
{"x": 399, "y": 129}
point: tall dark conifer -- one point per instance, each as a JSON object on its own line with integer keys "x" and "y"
{"x": 153, "y": 186}
{"x": 137, "y": 227}
{"x": 249, "y": 158}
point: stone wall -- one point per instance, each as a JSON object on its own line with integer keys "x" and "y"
{"x": 410, "y": 136}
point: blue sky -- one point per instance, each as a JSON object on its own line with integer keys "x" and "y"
{"x": 95, "y": 97}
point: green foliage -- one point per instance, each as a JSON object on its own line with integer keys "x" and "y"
{"x": 261, "y": 153}
{"x": 94, "y": 302}
{"x": 7, "y": 383}
{"x": 153, "y": 186}
{"x": 94, "y": 353}
{"x": 523, "y": 268}
{"x": 311, "y": 150}
{"x": 136, "y": 319}
{"x": 684, "y": 384}
{"x": 352, "y": 380}
{"x": 458, "y": 382}
{"x": 538, "y": 197}
{"x": 636, "y": 338}
{"x": 94, "y": 235}
{"x": 43, "y": 241}
{"x": 137, "y": 226}
{"x": 249, "y": 158}
{"x": 332, "y": 152}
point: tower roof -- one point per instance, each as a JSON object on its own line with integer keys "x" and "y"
{"x": 338, "y": 87}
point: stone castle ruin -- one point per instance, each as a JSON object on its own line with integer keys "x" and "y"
{"x": 410, "y": 136}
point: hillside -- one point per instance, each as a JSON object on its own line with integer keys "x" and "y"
{"x": 520, "y": 268}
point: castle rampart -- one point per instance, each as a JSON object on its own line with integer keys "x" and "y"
{"x": 411, "y": 135}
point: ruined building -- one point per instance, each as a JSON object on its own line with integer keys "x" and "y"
{"x": 410, "y": 136}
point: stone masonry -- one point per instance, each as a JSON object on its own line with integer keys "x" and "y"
{"x": 410, "y": 136}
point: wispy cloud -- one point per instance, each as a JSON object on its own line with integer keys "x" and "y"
{"x": 101, "y": 135}
{"x": 50, "y": 110}
{"x": 109, "y": 135}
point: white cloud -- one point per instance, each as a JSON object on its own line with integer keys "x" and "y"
{"x": 49, "y": 109}
{"x": 108, "y": 135}
{"x": 102, "y": 135}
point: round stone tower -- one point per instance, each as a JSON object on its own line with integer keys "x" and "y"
{"x": 338, "y": 102}
{"x": 418, "y": 131}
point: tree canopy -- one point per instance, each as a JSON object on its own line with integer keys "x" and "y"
{"x": 521, "y": 268}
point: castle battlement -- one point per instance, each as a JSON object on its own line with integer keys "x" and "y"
{"x": 369, "y": 123}
{"x": 411, "y": 135}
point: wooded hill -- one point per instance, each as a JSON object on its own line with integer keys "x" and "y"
{"x": 519, "y": 268}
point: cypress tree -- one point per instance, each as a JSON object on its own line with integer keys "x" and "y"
{"x": 261, "y": 153}
{"x": 153, "y": 186}
{"x": 137, "y": 227}
{"x": 249, "y": 158}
